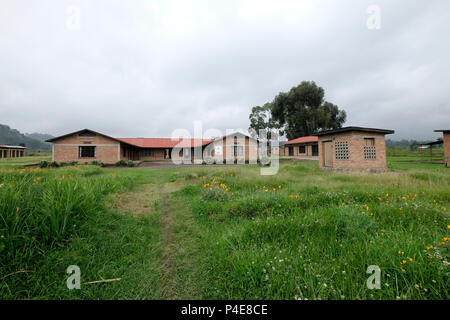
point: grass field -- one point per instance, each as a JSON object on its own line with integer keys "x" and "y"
{"x": 225, "y": 232}
{"x": 20, "y": 162}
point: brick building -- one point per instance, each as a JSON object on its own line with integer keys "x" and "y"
{"x": 446, "y": 134}
{"x": 353, "y": 148}
{"x": 87, "y": 146}
{"x": 304, "y": 147}
{"x": 12, "y": 151}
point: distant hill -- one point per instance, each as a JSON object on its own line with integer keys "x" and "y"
{"x": 14, "y": 137}
{"x": 39, "y": 136}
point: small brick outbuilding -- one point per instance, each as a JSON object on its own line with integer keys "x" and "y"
{"x": 353, "y": 148}
{"x": 446, "y": 133}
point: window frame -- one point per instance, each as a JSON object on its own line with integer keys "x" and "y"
{"x": 80, "y": 152}
{"x": 236, "y": 153}
{"x": 304, "y": 149}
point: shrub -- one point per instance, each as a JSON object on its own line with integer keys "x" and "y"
{"x": 121, "y": 163}
{"x": 54, "y": 164}
{"x": 130, "y": 164}
{"x": 97, "y": 163}
{"x": 43, "y": 164}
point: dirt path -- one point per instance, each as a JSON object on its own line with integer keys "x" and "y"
{"x": 179, "y": 268}
{"x": 167, "y": 262}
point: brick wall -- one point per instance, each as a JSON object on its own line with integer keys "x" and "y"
{"x": 356, "y": 144}
{"x": 250, "y": 148}
{"x": 66, "y": 149}
{"x": 447, "y": 149}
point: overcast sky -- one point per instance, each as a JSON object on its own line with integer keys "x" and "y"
{"x": 144, "y": 68}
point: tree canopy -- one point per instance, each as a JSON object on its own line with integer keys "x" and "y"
{"x": 303, "y": 111}
{"x": 261, "y": 119}
{"x": 299, "y": 112}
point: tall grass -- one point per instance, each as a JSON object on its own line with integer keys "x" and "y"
{"x": 40, "y": 210}
{"x": 305, "y": 234}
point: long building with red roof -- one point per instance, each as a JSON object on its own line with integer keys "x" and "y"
{"x": 87, "y": 146}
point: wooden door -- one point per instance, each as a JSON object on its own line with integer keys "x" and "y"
{"x": 327, "y": 154}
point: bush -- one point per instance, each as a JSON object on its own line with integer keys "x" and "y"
{"x": 68, "y": 164}
{"x": 43, "y": 164}
{"x": 130, "y": 164}
{"x": 97, "y": 163}
{"x": 121, "y": 163}
{"x": 54, "y": 164}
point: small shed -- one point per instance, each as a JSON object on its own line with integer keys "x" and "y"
{"x": 353, "y": 148}
{"x": 446, "y": 133}
{"x": 7, "y": 151}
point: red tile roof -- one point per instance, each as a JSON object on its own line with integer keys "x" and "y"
{"x": 303, "y": 140}
{"x": 165, "y": 142}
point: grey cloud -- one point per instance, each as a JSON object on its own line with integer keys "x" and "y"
{"x": 144, "y": 68}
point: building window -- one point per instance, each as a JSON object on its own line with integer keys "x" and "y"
{"x": 148, "y": 153}
{"x": 87, "y": 152}
{"x": 238, "y": 151}
{"x": 302, "y": 149}
{"x": 370, "y": 153}
{"x": 369, "y": 142}
{"x": 341, "y": 150}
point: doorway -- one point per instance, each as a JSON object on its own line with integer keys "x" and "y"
{"x": 327, "y": 154}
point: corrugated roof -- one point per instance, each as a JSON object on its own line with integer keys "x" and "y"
{"x": 347, "y": 129}
{"x": 165, "y": 142}
{"x": 12, "y": 147}
{"x": 303, "y": 140}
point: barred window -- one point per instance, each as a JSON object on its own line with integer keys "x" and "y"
{"x": 87, "y": 152}
{"x": 370, "y": 153}
{"x": 341, "y": 150}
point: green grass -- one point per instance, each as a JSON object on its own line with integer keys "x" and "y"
{"x": 167, "y": 235}
{"x": 35, "y": 158}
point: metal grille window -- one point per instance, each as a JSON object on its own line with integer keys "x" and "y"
{"x": 370, "y": 153}
{"x": 341, "y": 150}
{"x": 302, "y": 149}
{"x": 87, "y": 152}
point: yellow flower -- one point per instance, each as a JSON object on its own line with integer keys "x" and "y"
{"x": 448, "y": 227}
{"x": 399, "y": 252}
{"x": 411, "y": 259}
{"x": 403, "y": 261}
{"x": 296, "y": 196}
{"x": 62, "y": 177}
{"x": 379, "y": 198}
{"x": 292, "y": 196}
